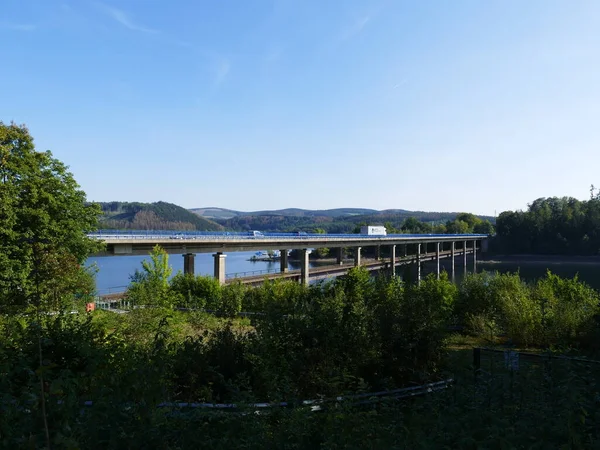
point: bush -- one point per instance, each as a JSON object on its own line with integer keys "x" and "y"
{"x": 197, "y": 292}
{"x": 232, "y": 298}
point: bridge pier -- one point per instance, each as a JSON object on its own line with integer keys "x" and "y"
{"x": 419, "y": 264}
{"x": 393, "y": 259}
{"x": 304, "y": 272}
{"x": 474, "y": 256}
{"x": 452, "y": 256}
{"x": 340, "y": 256}
{"x": 219, "y": 272}
{"x": 465, "y": 257}
{"x": 405, "y": 249}
{"x": 188, "y": 264}
{"x": 437, "y": 260}
{"x": 357, "y": 257}
{"x": 283, "y": 261}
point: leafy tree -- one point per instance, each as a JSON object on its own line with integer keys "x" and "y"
{"x": 150, "y": 286}
{"x": 44, "y": 219}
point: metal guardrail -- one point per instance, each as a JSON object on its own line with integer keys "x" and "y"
{"x": 250, "y": 273}
{"x": 209, "y": 235}
{"x": 312, "y": 405}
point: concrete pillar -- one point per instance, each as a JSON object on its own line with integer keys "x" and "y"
{"x": 437, "y": 260}
{"x": 357, "y": 257}
{"x": 220, "y": 267}
{"x": 465, "y": 256}
{"x": 474, "y": 256}
{"x": 418, "y": 263}
{"x": 304, "y": 272}
{"x": 340, "y": 256}
{"x": 188, "y": 264}
{"x": 283, "y": 261}
{"x": 405, "y": 249}
{"x": 452, "y": 256}
{"x": 393, "y": 259}
{"x": 424, "y": 248}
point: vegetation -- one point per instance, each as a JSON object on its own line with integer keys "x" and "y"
{"x": 102, "y": 380}
{"x": 552, "y": 226}
{"x": 333, "y": 221}
{"x": 44, "y": 219}
{"x": 357, "y": 334}
{"x": 153, "y": 216}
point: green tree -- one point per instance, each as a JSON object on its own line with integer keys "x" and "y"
{"x": 44, "y": 219}
{"x": 150, "y": 286}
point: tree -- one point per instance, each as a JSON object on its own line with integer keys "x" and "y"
{"x": 44, "y": 221}
{"x": 150, "y": 286}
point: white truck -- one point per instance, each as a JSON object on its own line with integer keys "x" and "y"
{"x": 373, "y": 230}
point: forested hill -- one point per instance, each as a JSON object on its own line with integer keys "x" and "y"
{"x": 152, "y": 216}
{"x": 331, "y": 221}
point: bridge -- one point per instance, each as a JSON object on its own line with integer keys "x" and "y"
{"x": 127, "y": 243}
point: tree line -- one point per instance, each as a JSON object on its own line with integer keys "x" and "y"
{"x": 552, "y": 226}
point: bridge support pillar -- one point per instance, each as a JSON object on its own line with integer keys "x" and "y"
{"x": 357, "y": 257}
{"x": 405, "y": 249}
{"x": 437, "y": 260}
{"x": 393, "y": 259}
{"x": 474, "y": 256}
{"x": 188, "y": 264}
{"x": 220, "y": 267}
{"x": 418, "y": 263}
{"x": 465, "y": 257}
{"x": 340, "y": 256}
{"x": 424, "y": 248}
{"x": 304, "y": 272}
{"x": 452, "y": 256}
{"x": 283, "y": 261}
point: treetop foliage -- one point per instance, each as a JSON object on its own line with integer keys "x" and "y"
{"x": 552, "y": 226}
{"x": 44, "y": 218}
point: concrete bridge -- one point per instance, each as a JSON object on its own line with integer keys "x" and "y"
{"x": 190, "y": 243}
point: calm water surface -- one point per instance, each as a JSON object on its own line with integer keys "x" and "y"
{"x": 115, "y": 271}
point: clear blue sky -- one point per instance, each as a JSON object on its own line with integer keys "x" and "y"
{"x": 477, "y": 106}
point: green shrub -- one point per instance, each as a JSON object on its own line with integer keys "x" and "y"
{"x": 197, "y": 292}
{"x": 232, "y": 298}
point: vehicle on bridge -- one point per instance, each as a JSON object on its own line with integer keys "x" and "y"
{"x": 373, "y": 230}
{"x": 255, "y": 233}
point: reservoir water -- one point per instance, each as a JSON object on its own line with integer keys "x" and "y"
{"x": 114, "y": 272}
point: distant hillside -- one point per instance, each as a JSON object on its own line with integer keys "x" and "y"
{"x": 215, "y": 213}
{"x": 221, "y": 213}
{"x": 341, "y": 220}
{"x": 153, "y": 216}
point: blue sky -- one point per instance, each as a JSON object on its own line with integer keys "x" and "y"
{"x": 462, "y": 105}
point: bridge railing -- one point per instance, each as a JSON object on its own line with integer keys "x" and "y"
{"x": 212, "y": 235}
{"x": 250, "y": 273}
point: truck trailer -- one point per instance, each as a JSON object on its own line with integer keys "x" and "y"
{"x": 373, "y": 230}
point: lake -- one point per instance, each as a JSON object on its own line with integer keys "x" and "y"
{"x": 114, "y": 271}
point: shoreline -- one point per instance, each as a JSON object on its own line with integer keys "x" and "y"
{"x": 540, "y": 259}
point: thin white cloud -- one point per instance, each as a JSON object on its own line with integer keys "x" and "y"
{"x": 121, "y": 17}
{"x": 355, "y": 29}
{"x": 222, "y": 70}
{"x": 17, "y": 26}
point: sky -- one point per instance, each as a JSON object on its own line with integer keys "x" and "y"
{"x": 463, "y": 105}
